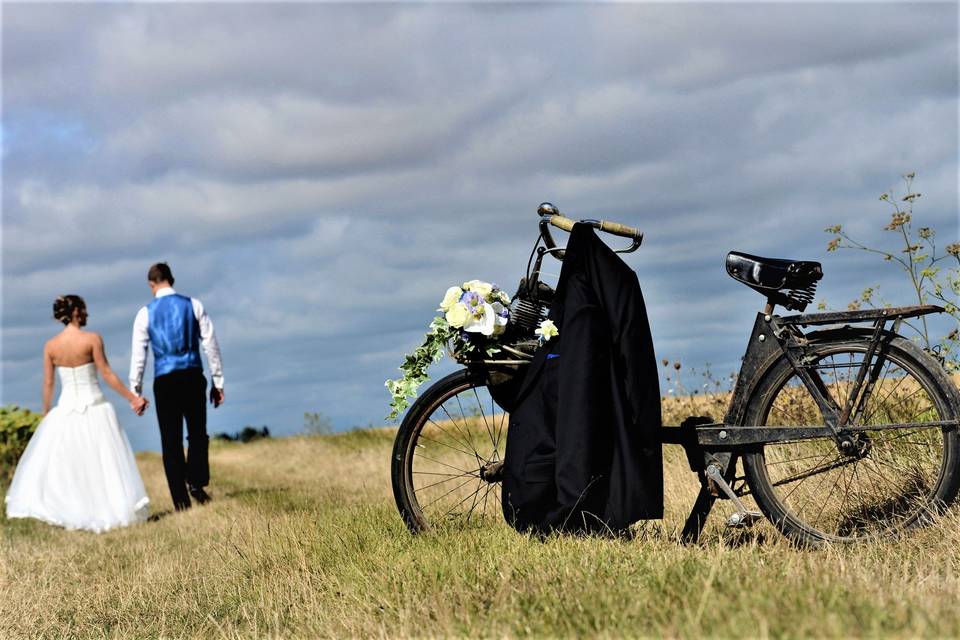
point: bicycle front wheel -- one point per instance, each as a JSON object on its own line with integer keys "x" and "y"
{"x": 448, "y": 456}
{"x": 890, "y": 480}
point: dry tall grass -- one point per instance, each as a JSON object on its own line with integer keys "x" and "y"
{"x": 303, "y": 540}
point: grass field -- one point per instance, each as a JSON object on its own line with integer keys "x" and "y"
{"x": 303, "y": 540}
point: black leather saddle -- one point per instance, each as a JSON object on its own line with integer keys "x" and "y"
{"x": 789, "y": 283}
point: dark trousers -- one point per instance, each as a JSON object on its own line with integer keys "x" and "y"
{"x": 182, "y": 395}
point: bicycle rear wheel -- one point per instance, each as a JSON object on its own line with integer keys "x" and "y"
{"x": 892, "y": 480}
{"x": 447, "y": 457}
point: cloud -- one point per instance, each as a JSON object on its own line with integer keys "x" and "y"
{"x": 319, "y": 173}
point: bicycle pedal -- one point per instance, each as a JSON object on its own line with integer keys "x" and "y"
{"x": 743, "y": 519}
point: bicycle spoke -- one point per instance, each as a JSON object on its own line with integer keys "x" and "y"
{"x": 473, "y": 504}
{"x": 468, "y": 481}
{"x": 496, "y": 446}
{"x": 823, "y": 476}
{"x": 802, "y": 478}
{"x": 473, "y": 495}
{"x": 456, "y": 439}
{"x": 443, "y": 464}
{"x": 433, "y": 484}
{"x": 432, "y": 473}
{"x": 444, "y": 444}
{"x": 480, "y": 405}
{"x": 467, "y": 431}
{"x": 891, "y": 472}
{"x": 795, "y": 460}
{"x": 452, "y": 437}
{"x": 486, "y": 495}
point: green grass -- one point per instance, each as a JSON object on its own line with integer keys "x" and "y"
{"x": 303, "y": 540}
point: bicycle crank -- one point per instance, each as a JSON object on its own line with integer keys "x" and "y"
{"x": 741, "y": 518}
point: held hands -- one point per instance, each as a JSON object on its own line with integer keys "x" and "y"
{"x": 217, "y": 397}
{"x": 139, "y": 405}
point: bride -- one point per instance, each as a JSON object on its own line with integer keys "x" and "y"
{"x": 78, "y": 470}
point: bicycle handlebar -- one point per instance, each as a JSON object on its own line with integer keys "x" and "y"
{"x": 613, "y": 228}
{"x": 552, "y": 216}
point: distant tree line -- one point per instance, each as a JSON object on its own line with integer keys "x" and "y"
{"x": 247, "y": 434}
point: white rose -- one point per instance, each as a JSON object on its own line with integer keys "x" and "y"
{"x": 458, "y": 314}
{"x": 482, "y": 288}
{"x": 450, "y": 298}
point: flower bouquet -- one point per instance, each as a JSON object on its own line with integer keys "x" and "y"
{"x": 473, "y": 319}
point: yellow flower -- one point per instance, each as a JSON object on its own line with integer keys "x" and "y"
{"x": 547, "y": 330}
{"x": 482, "y": 288}
{"x": 457, "y": 315}
{"x": 450, "y": 298}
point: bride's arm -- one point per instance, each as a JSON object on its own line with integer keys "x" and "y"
{"x": 100, "y": 359}
{"x": 48, "y": 370}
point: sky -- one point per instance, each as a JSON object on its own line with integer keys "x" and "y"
{"x": 319, "y": 174}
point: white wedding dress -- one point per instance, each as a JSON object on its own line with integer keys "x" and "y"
{"x": 78, "y": 470}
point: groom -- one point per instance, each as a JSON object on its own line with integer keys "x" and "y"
{"x": 175, "y": 326}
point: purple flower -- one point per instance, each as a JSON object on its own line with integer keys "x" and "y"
{"x": 471, "y": 299}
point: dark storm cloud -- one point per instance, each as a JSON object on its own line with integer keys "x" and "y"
{"x": 319, "y": 173}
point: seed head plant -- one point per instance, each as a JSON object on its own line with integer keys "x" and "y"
{"x": 932, "y": 270}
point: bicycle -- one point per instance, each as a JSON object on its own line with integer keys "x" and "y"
{"x": 846, "y": 432}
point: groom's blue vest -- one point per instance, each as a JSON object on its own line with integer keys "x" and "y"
{"x": 174, "y": 334}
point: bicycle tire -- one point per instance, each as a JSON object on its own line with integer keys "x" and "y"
{"x": 439, "y": 452}
{"x": 899, "y": 479}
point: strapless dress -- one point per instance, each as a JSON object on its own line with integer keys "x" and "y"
{"x": 78, "y": 470}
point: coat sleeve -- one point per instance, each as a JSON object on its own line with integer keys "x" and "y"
{"x": 619, "y": 294}
{"x": 583, "y": 431}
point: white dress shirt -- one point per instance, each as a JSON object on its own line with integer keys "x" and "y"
{"x": 141, "y": 342}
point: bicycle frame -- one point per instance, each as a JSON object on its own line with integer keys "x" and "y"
{"x": 713, "y": 449}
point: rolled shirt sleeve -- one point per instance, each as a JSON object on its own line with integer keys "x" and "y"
{"x": 208, "y": 339}
{"x": 138, "y": 351}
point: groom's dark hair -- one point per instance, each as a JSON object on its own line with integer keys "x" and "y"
{"x": 160, "y": 272}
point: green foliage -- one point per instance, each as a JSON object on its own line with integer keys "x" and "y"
{"x": 932, "y": 271}
{"x": 415, "y": 365}
{"x": 16, "y": 427}
{"x": 317, "y": 423}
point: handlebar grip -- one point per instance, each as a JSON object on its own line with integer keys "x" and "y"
{"x": 562, "y": 222}
{"x": 618, "y": 229}
{"x": 614, "y": 228}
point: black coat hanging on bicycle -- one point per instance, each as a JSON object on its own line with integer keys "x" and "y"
{"x": 583, "y": 449}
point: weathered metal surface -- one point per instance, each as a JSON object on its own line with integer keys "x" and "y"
{"x": 863, "y": 315}
{"x": 729, "y": 436}
{"x": 759, "y": 356}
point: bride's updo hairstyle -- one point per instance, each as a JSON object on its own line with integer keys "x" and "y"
{"x": 64, "y": 306}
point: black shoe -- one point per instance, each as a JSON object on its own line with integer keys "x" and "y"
{"x": 198, "y": 494}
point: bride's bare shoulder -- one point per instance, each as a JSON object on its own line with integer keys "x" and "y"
{"x": 52, "y": 343}
{"x": 53, "y": 348}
